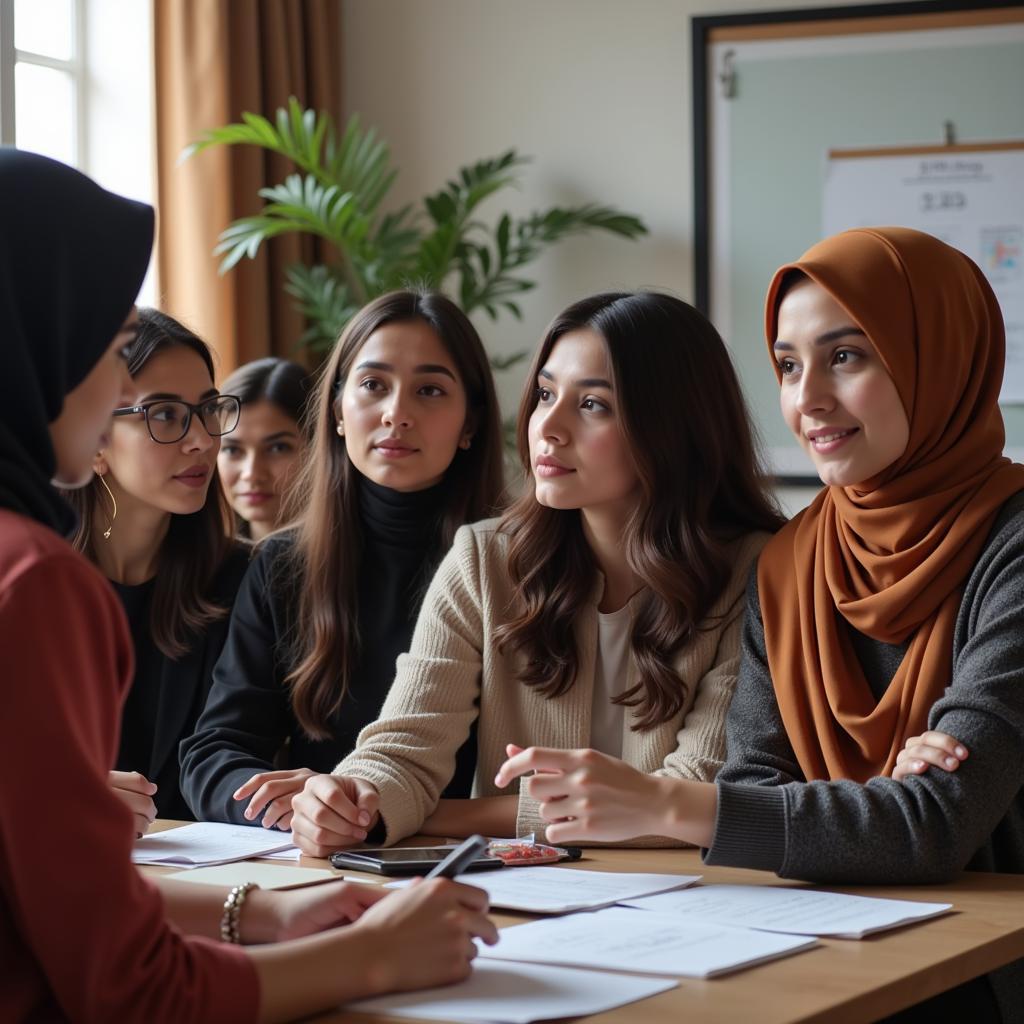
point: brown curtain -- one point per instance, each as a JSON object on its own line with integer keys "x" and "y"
{"x": 215, "y": 59}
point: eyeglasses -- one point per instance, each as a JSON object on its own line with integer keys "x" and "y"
{"x": 168, "y": 421}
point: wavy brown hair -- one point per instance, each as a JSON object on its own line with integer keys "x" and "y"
{"x": 196, "y": 545}
{"x": 682, "y": 414}
{"x": 324, "y": 560}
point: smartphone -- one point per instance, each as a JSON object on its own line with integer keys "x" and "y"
{"x": 409, "y": 860}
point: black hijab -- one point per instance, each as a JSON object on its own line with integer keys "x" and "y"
{"x": 72, "y": 259}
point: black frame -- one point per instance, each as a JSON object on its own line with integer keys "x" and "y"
{"x": 194, "y": 412}
{"x": 700, "y": 38}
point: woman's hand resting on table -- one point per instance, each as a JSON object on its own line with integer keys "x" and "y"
{"x": 589, "y": 796}
{"x": 333, "y": 812}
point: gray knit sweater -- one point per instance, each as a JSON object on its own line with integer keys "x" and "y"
{"x": 927, "y": 828}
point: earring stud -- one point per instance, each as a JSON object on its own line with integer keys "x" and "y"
{"x": 340, "y": 428}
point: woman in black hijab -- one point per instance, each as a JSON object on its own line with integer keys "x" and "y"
{"x": 82, "y": 934}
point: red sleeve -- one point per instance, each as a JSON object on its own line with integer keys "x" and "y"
{"x": 83, "y": 922}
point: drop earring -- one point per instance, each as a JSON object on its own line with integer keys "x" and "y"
{"x": 113, "y": 502}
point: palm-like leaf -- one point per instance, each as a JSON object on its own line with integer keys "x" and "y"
{"x": 359, "y": 162}
{"x": 486, "y": 269}
{"x": 336, "y": 194}
{"x": 325, "y": 301}
{"x": 452, "y": 208}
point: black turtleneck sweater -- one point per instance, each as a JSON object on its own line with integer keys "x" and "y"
{"x": 248, "y": 725}
{"x": 167, "y": 694}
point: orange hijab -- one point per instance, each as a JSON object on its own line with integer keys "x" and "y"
{"x": 891, "y": 555}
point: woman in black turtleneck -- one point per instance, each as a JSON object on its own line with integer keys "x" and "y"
{"x": 406, "y": 449}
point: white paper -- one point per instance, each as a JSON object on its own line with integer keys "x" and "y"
{"x": 557, "y": 890}
{"x": 516, "y": 993}
{"x": 972, "y": 200}
{"x": 796, "y": 911}
{"x": 207, "y": 842}
{"x": 266, "y": 876}
{"x": 288, "y": 853}
{"x": 626, "y": 939}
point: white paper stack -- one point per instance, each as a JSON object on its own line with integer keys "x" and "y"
{"x": 207, "y": 842}
{"x": 558, "y": 890}
{"x": 789, "y": 910}
{"x": 518, "y": 993}
{"x": 645, "y": 942}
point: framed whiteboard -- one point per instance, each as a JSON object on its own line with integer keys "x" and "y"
{"x": 775, "y": 93}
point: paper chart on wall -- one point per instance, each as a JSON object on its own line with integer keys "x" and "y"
{"x": 973, "y": 199}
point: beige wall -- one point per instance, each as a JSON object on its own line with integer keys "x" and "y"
{"x": 597, "y": 91}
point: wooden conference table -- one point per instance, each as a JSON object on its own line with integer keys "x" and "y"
{"x": 841, "y": 982}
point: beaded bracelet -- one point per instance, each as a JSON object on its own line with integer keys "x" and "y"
{"x": 229, "y": 931}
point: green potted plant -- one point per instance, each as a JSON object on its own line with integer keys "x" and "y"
{"x": 336, "y": 194}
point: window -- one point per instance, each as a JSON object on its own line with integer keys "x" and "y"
{"x": 42, "y": 78}
{"x": 76, "y": 85}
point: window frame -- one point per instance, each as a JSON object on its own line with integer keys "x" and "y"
{"x": 75, "y": 67}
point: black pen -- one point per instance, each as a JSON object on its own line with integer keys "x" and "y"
{"x": 460, "y": 858}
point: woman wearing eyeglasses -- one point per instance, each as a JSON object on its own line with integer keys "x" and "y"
{"x": 156, "y": 524}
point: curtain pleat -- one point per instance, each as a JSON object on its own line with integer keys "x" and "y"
{"x": 215, "y": 59}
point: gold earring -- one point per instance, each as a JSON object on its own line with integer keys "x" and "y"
{"x": 341, "y": 429}
{"x": 113, "y": 501}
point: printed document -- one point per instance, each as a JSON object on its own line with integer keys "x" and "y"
{"x": 795, "y": 911}
{"x": 557, "y": 890}
{"x": 513, "y": 993}
{"x": 207, "y": 842}
{"x": 642, "y": 941}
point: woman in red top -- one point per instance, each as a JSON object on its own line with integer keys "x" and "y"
{"x": 83, "y": 935}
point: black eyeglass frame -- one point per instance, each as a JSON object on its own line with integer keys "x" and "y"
{"x": 193, "y": 410}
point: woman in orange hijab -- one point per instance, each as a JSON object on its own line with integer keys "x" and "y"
{"x": 893, "y": 605}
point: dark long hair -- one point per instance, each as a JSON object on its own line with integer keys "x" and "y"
{"x": 684, "y": 419}
{"x": 196, "y": 545}
{"x": 279, "y": 381}
{"x": 325, "y": 556}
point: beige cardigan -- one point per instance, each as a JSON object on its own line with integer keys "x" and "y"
{"x": 454, "y": 674}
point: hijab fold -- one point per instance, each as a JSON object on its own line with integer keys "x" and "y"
{"x": 890, "y": 557}
{"x": 72, "y": 259}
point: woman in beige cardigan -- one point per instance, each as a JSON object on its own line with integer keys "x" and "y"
{"x": 602, "y": 611}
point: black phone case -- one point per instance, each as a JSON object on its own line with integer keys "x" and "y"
{"x": 343, "y": 859}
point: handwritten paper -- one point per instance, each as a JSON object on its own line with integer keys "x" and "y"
{"x": 794, "y": 911}
{"x": 518, "y": 993}
{"x": 207, "y": 842}
{"x": 645, "y": 942}
{"x": 558, "y": 890}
